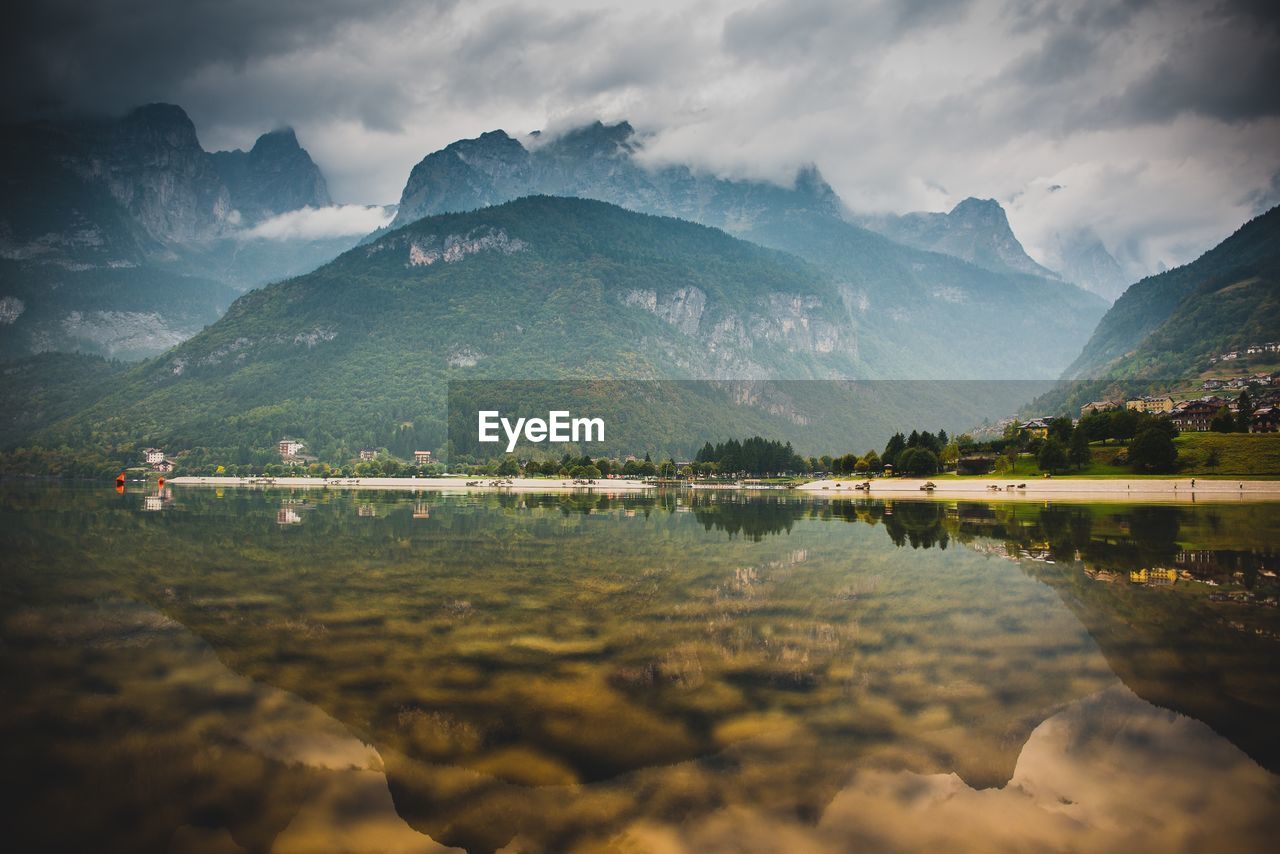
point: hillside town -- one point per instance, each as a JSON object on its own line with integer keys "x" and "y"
{"x": 1197, "y": 415}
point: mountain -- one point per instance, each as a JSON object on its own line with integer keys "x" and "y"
{"x": 1168, "y": 324}
{"x": 1163, "y": 330}
{"x": 131, "y": 222}
{"x": 915, "y": 310}
{"x": 362, "y": 351}
{"x": 275, "y": 176}
{"x": 976, "y": 230}
{"x": 118, "y": 312}
{"x": 598, "y": 161}
{"x": 1085, "y": 261}
{"x": 39, "y": 391}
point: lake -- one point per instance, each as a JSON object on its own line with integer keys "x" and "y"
{"x": 201, "y": 670}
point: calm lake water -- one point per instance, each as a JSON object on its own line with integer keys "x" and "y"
{"x": 297, "y": 671}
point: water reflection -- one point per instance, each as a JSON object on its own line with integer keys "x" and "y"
{"x": 566, "y": 671}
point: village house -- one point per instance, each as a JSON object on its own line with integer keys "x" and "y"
{"x": 155, "y": 458}
{"x": 367, "y": 454}
{"x": 1265, "y": 420}
{"x": 1194, "y": 416}
{"x": 421, "y": 458}
{"x": 1211, "y": 385}
{"x": 1037, "y": 427}
{"x": 1150, "y": 404}
{"x": 290, "y": 448}
{"x": 1097, "y": 406}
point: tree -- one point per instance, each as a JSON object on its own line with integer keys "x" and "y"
{"x": 509, "y": 467}
{"x": 895, "y": 447}
{"x": 1060, "y": 428}
{"x": 920, "y": 462}
{"x": 1078, "y": 450}
{"x": 1011, "y": 457}
{"x": 1096, "y": 426}
{"x": 871, "y": 462}
{"x": 1124, "y": 424}
{"x": 1223, "y": 421}
{"x": 1053, "y": 456}
{"x": 1153, "y": 450}
{"x": 1244, "y": 412}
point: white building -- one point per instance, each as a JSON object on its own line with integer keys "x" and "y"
{"x": 290, "y": 448}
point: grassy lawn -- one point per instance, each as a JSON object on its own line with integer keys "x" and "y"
{"x": 1254, "y": 455}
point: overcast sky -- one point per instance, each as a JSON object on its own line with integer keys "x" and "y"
{"x": 1157, "y": 124}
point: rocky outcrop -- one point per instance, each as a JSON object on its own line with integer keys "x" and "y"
{"x": 451, "y": 248}
{"x": 790, "y": 322}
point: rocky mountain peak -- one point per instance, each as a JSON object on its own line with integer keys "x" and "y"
{"x": 597, "y": 161}
{"x": 1085, "y": 261}
{"x": 988, "y": 210}
{"x": 166, "y": 123}
{"x": 274, "y": 176}
{"x": 975, "y": 230}
{"x": 276, "y": 142}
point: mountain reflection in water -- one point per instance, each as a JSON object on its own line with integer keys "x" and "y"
{"x": 205, "y": 671}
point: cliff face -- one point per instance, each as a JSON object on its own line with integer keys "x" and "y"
{"x": 124, "y": 236}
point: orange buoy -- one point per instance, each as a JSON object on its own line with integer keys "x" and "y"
{"x": 120, "y": 479}
{"x": 161, "y": 483}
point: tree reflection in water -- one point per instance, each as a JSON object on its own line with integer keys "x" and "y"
{"x": 559, "y": 669}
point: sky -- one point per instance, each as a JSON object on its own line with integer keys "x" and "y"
{"x": 1154, "y": 125}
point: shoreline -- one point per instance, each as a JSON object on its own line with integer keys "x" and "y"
{"x": 1052, "y": 489}
{"x": 430, "y": 484}
{"x": 1177, "y": 490}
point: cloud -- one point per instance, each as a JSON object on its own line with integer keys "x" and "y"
{"x": 320, "y": 223}
{"x": 1083, "y": 782}
{"x": 1160, "y": 119}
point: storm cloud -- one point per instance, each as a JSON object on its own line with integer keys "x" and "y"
{"x": 1155, "y": 125}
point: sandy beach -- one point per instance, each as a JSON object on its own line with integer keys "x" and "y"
{"x": 1058, "y": 489}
